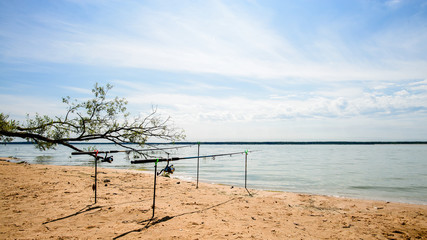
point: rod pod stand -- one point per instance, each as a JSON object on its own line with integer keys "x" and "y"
{"x": 154, "y": 188}
{"x": 95, "y": 185}
{"x": 198, "y": 159}
{"x": 246, "y": 172}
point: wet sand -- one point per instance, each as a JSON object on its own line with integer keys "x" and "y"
{"x": 43, "y": 201}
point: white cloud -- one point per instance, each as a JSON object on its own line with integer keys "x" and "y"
{"x": 393, "y": 3}
{"x": 208, "y": 38}
{"x": 334, "y": 104}
{"x": 78, "y": 90}
{"x": 19, "y": 106}
{"x": 422, "y": 82}
{"x": 418, "y": 86}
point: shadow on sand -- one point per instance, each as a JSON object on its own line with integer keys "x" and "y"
{"x": 89, "y": 208}
{"x": 83, "y": 210}
{"x": 153, "y": 221}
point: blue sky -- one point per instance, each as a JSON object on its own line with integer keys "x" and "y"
{"x": 227, "y": 70}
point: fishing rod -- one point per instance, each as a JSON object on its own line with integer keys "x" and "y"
{"x": 109, "y": 159}
{"x": 183, "y": 158}
{"x": 128, "y": 151}
{"x": 155, "y": 161}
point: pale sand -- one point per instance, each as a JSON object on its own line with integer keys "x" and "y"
{"x": 43, "y": 201}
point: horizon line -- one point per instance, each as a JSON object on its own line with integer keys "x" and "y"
{"x": 260, "y": 142}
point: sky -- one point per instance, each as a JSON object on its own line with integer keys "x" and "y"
{"x": 241, "y": 70}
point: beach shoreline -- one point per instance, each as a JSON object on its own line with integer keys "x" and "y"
{"x": 46, "y": 201}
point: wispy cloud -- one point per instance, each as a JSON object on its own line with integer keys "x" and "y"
{"x": 19, "y": 106}
{"x": 393, "y": 3}
{"x": 78, "y": 90}
{"x": 214, "y": 38}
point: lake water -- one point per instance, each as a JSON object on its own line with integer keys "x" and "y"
{"x": 378, "y": 172}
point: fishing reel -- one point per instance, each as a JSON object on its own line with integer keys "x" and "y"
{"x": 169, "y": 169}
{"x": 108, "y": 159}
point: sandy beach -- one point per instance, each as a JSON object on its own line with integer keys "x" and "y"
{"x": 43, "y": 201}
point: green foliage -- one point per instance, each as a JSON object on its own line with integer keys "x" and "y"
{"x": 97, "y": 118}
{"x": 6, "y": 125}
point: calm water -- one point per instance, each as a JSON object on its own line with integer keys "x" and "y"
{"x": 381, "y": 172}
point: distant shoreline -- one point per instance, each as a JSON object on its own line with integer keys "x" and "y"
{"x": 307, "y": 143}
{"x": 266, "y": 143}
